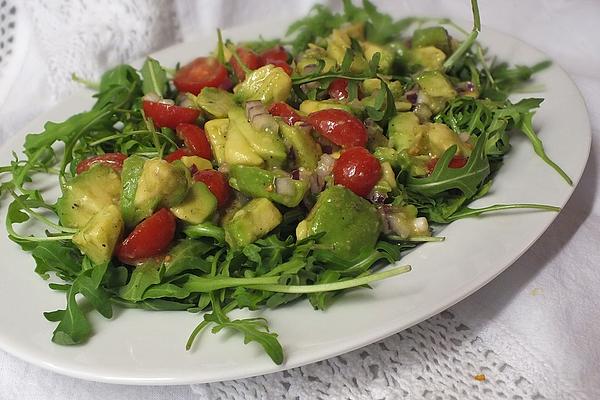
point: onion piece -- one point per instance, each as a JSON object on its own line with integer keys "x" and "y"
{"x": 153, "y": 97}
{"x": 259, "y": 117}
{"x": 285, "y": 186}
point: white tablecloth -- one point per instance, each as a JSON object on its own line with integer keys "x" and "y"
{"x": 534, "y": 331}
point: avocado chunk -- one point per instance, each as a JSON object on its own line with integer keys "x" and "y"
{"x": 253, "y": 221}
{"x": 426, "y": 58}
{"x": 237, "y": 150}
{"x": 437, "y": 88}
{"x": 215, "y": 102}
{"x": 130, "y": 175}
{"x": 274, "y": 185}
{"x": 198, "y": 205}
{"x": 386, "y": 59}
{"x": 157, "y": 183}
{"x": 196, "y": 162}
{"x": 269, "y": 84}
{"x": 267, "y": 145}
{"x": 98, "y": 238}
{"x": 351, "y": 224}
{"x": 216, "y": 133}
{"x": 441, "y": 138}
{"x": 86, "y": 194}
{"x": 309, "y": 60}
{"x": 340, "y": 40}
{"x": 435, "y": 36}
{"x": 404, "y": 132}
{"x": 311, "y": 106}
{"x": 306, "y": 152}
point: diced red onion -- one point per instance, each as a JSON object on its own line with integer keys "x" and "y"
{"x": 285, "y": 186}
{"x": 377, "y": 197}
{"x": 411, "y": 96}
{"x": 259, "y": 117}
{"x": 464, "y": 136}
{"x": 168, "y": 102}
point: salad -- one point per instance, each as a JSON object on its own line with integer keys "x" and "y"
{"x": 268, "y": 172}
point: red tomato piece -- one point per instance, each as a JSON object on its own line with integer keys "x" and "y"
{"x": 338, "y": 89}
{"x": 286, "y": 112}
{"x": 283, "y": 65}
{"x": 177, "y": 154}
{"x": 150, "y": 238}
{"x": 250, "y": 60}
{"x": 357, "y": 170}
{"x": 195, "y": 140}
{"x": 113, "y": 160}
{"x": 200, "y": 73}
{"x": 339, "y": 126}
{"x": 456, "y": 162}
{"x": 167, "y": 115}
{"x": 273, "y": 54}
{"x": 217, "y": 183}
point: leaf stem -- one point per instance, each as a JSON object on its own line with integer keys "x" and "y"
{"x": 474, "y": 212}
{"x": 328, "y": 287}
{"x": 468, "y": 42}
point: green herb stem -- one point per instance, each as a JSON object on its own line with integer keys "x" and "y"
{"x": 474, "y": 212}
{"x": 329, "y": 287}
{"x": 468, "y": 42}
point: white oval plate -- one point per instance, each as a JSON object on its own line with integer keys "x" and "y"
{"x": 141, "y": 347}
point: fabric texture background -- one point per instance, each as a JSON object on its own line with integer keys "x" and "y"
{"x": 533, "y": 331}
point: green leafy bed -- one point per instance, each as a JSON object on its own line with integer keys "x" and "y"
{"x": 201, "y": 273}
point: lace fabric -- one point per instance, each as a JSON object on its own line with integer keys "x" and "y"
{"x": 439, "y": 359}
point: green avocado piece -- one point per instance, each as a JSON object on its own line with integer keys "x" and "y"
{"x": 150, "y": 184}
{"x": 269, "y": 84}
{"x": 267, "y": 145}
{"x": 351, "y": 224}
{"x": 98, "y": 238}
{"x": 436, "y": 36}
{"x": 216, "y": 132}
{"x": 130, "y": 175}
{"x": 198, "y": 205}
{"x": 311, "y": 57}
{"x": 404, "y": 131}
{"x": 215, "y": 102}
{"x": 436, "y": 84}
{"x": 257, "y": 182}
{"x": 86, "y": 194}
{"x": 425, "y": 58}
{"x": 305, "y": 150}
{"x": 339, "y": 41}
{"x": 386, "y": 60}
{"x": 253, "y": 221}
{"x": 311, "y": 106}
{"x": 441, "y": 138}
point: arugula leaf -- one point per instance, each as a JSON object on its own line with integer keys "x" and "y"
{"x": 56, "y": 257}
{"x": 143, "y": 276}
{"x": 73, "y": 328}
{"x": 187, "y": 255}
{"x": 443, "y": 178}
{"x": 526, "y": 126}
{"x": 154, "y": 78}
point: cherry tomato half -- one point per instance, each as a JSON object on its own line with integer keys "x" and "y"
{"x": 456, "y": 162}
{"x": 358, "y": 170}
{"x": 338, "y": 89}
{"x": 286, "y": 112}
{"x": 150, "y": 238}
{"x": 195, "y": 140}
{"x": 283, "y": 65}
{"x": 113, "y": 160}
{"x": 273, "y": 54}
{"x": 167, "y": 115}
{"x": 339, "y": 126}
{"x": 200, "y": 73}
{"x": 177, "y": 154}
{"x": 217, "y": 183}
{"x": 250, "y": 60}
